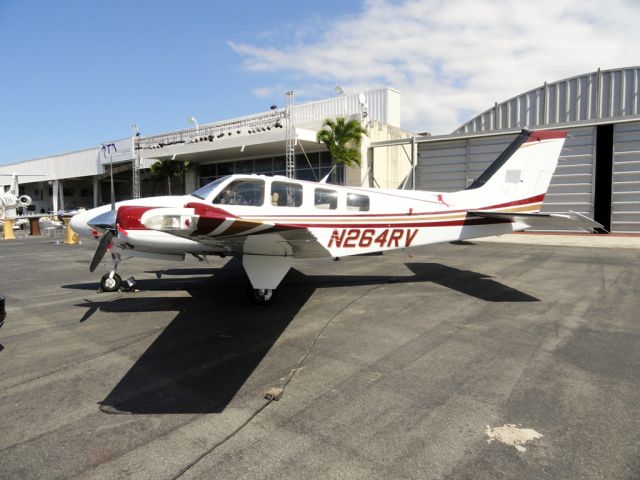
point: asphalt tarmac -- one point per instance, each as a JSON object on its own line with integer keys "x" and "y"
{"x": 468, "y": 361}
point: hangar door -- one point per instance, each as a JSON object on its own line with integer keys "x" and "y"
{"x": 625, "y": 204}
{"x": 572, "y": 185}
{"x": 450, "y": 165}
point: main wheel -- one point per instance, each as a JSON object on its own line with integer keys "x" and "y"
{"x": 261, "y": 296}
{"x": 110, "y": 283}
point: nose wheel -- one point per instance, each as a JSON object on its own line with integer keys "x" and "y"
{"x": 111, "y": 282}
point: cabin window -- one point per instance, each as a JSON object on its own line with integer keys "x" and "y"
{"x": 285, "y": 194}
{"x": 357, "y": 202}
{"x": 325, "y": 199}
{"x": 242, "y": 192}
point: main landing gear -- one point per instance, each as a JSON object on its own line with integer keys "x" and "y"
{"x": 260, "y": 296}
{"x": 265, "y": 273}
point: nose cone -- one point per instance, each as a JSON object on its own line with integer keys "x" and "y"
{"x": 80, "y": 222}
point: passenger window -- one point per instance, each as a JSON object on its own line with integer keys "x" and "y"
{"x": 325, "y": 199}
{"x": 242, "y": 192}
{"x": 357, "y": 202}
{"x": 285, "y": 194}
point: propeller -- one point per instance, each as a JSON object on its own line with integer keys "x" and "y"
{"x": 107, "y": 222}
{"x": 103, "y": 245}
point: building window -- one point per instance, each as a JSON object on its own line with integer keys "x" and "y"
{"x": 325, "y": 199}
{"x": 357, "y": 202}
{"x": 285, "y": 194}
{"x": 242, "y": 192}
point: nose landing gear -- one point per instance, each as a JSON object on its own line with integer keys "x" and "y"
{"x": 111, "y": 282}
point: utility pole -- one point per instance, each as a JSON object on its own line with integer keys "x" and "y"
{"x": 290, "y": 149}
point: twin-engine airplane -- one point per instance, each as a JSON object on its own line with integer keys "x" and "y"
{"x": 270, "y": 221}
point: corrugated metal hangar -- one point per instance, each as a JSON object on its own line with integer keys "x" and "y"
{"x": 599, "y": 170}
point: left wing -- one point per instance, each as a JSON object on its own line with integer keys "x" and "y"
{"x": 237, "y": 236}
{"x": 542, "y": 220}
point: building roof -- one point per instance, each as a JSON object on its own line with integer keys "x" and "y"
{"x": 603, "y": 96}
{"x": 260, "y": 134}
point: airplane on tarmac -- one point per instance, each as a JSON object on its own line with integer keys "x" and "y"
{"x": 270, "y": 221}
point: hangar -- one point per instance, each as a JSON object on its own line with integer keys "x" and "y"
{"x": 599, "y": 170}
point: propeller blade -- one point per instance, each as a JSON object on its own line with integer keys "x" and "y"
{"x": 101, "y": 250}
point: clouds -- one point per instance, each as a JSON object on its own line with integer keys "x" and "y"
{"x": 449, "y": 58}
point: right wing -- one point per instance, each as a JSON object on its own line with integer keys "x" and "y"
{"x": 543, "y": 220}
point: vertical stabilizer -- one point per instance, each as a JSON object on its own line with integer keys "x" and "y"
{"x": 524, "y": 169}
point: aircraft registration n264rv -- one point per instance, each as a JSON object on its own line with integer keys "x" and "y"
{"x": 270, "y": 221}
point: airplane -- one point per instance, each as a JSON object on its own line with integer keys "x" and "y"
{"x": 269, "y": 221}
{"x": 11, "y": 200}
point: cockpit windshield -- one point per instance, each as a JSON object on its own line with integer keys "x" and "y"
{"x": 203, "y": 192}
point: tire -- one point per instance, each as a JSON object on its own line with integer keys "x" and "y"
{"x": 112, "y": 284}
{"x": 261, "y": 296}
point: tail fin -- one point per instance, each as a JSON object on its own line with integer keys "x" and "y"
{"x": 524, "y": 169}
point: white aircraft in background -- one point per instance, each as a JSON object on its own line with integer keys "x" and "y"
{"x": 11, "y": 200}
{"x": 270, "y": 221}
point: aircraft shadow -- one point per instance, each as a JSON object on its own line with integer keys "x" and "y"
{"x": 468, "y": 282}
{"x": 209, "y": 350}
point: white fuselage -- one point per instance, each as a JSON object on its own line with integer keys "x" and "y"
{"x": 343, "y": 220}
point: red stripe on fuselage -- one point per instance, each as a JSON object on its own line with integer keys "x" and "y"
{"x": 448, "y": 223}
{"x": 536, "y": 199}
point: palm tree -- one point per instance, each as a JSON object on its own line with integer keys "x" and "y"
{"x": 168, "y": 169}
{"x": 342, "y": 138}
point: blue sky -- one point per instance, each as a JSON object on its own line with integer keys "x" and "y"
{"x": 77, "y": 73}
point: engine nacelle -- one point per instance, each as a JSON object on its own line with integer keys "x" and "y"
{"x": 24, "y": 200}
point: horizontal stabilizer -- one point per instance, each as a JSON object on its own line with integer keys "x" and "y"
{"x": 542, "y": 220}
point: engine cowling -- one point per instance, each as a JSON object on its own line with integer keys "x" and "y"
{"x": 24, "y": 200}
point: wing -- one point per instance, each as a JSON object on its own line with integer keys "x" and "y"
{"x": 543, "y": 220}
{"x": 224, "y": 232}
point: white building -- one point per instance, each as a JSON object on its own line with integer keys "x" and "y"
{"x": 252, "y": 143}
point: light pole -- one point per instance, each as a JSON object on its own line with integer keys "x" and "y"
{"x": 193, "y": 120}
{"x": 110, "y": 148}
